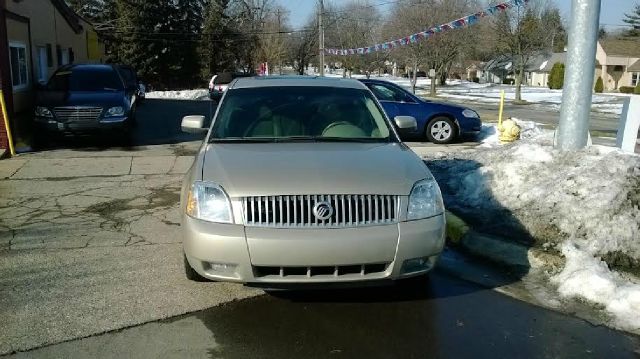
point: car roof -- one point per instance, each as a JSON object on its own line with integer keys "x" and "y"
{"x": 376, "y": 80}
{"x": 99, "y": 67}
{"x": 292, "y": 81}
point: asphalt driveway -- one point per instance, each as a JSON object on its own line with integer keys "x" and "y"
{"x": 89, "y": 234}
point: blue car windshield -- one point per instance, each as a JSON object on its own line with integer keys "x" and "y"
{"x": 85, "y": 79}
{"x": 301, "y": 113}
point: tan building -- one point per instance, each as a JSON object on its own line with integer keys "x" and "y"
{"x": 41, "y": 35}
{"x": 618, "y": 62}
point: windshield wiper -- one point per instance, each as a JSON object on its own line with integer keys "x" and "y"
{"x": 243, "y": 139}
{"x": 110, "y": 89}
{"x": 352, "y": 139}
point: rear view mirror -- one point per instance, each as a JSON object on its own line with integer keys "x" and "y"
{"x": 406, "y": 123}
{"x": 193, "y": 124}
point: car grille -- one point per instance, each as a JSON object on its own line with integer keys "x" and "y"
{"x": 298, "y": 211}
{"x": 358, "y": 270}
{"x": 77, "y": 114}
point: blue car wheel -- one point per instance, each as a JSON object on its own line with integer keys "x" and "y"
{"x": 441, "y": 130}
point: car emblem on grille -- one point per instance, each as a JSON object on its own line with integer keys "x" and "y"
{"x": 323, "y": 210}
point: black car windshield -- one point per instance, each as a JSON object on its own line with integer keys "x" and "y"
{"x": 85, "y": 79}
{"x": 300, "y": 114}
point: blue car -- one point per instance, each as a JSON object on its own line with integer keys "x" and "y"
{"x": 437, "y": 122}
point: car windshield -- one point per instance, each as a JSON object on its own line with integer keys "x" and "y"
{"x": 300, "y": 114}
{"x": 85, "y": 79}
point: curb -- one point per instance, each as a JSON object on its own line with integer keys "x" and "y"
{"x": 498, "y": 250}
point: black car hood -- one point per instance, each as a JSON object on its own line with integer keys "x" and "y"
{"x": 62, "y": 98}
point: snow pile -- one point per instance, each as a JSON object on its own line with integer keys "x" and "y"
{"x": 200, "y": 94}
{"x": 588, "y": 277}
{"x": 585, "y": 204}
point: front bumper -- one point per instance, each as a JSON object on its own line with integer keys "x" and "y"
{"x": 52, "y": 125}
{"x": 235, "y": 253}
{"x": 470, "y": 126}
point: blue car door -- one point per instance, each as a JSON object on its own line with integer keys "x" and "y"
{"x": 398, "y": 102}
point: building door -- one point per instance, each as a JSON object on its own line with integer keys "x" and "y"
{"x": 43, "y": 67}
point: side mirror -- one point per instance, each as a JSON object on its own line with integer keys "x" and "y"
{"x": 193, "y": 124}
{"x": 406, "y": 123}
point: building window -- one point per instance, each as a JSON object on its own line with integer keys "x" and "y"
{"x": 635, "y": 79}
{"x": 19, "y": 65}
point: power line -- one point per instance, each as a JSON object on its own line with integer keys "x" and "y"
{"x": 367, "y": 6}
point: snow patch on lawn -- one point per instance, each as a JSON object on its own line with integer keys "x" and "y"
{"x": 199, "y": 94}
{"x": 586, "y": 204}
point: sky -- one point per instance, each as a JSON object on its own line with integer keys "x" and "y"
{"x": 612, "y": 10}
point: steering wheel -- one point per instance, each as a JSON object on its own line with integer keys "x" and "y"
{"x": 339, "y": 123}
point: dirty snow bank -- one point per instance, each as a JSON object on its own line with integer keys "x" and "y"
{"x": 584, "y": 204}
{"x": 199, "y": 94}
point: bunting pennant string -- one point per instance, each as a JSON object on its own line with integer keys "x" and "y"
{"x": 412, "y": 39}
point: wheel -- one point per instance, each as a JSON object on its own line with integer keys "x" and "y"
{"x": 441, "y": 130}
{"x": 190, "y": 273}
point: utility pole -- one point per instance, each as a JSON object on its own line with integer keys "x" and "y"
{"x": 279, "y": 41}
{"x": 573, "y": 131}
{"x": 321, "y": 38}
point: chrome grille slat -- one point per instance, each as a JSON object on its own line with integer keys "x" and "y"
{"x": 75, "y": 114}
{"x": 296, "y": 211}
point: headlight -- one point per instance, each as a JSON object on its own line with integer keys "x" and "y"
{"x": 116, "y": 111}
{"x": 208, "y": 201}
{"x": 470, "y": 114}
{"x": 425, "y": 200}
{"x": 43, "y": 112}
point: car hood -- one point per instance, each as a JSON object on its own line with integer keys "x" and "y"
{"x": 62, "y": 98}
{"x": 312, "y": 168}
{"x": 444, "y": 104}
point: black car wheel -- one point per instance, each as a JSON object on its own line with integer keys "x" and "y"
{"x": 191, "y": 274}
{"x": 441, "y": 130}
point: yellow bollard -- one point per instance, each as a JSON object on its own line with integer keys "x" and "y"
{"x": 501, "y": 109}
{"x": 12, "y": 150}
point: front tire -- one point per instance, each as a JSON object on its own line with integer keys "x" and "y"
{"x": 441, "y": 130}
{"x": 191, "y": 274}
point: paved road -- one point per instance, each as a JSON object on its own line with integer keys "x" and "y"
{"x": 445, "y": 318}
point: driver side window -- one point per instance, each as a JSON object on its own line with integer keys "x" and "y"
{"x": 388, "y": 93}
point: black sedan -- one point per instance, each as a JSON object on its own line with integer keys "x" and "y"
{"x": 85, "y": 98}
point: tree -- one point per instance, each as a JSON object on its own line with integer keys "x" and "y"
{"x": 141, "y": 40}
{"x": 633, "y": 19}
{"x": 354, "y": 24}
{"x": 599, "y": 87}
{"x": 556, "y": 35}
{"x": 556, "y": 77}
{"x": 602, "y": 33}
{"x": 439, "y": 51}
{"x": 303, "y": 46}
{"x": 522, "y": 37}
{"x": 273, "y": 48}
{"x": 185, "y": 26}
{"x": 215, "y": 46}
